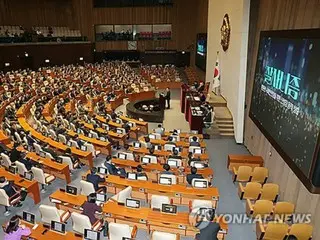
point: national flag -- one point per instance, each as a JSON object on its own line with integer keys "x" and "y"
{"x": 216, "y": 75}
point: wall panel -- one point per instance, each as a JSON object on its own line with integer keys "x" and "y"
{"x": 279, "y": 15}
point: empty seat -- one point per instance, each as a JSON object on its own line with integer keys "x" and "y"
{"x": 119, "y": 231}
{"x": 242, "y": 174}
{"x": 91, "y": 149}
{"x": 263, "y": 208}
{"x": 81, "y": 222}
{"x": 273, "y": 231}
{"x": 302, "y": 231}
{"x": 157, "y": 201}
{"x": 7, "y": 202}
{"x": 197, "y": 204}
{"x": 163, "y": 236}
{"x": 283, "y": 210}
{"x": 270, "y": 191}
{"x": 169, "y": 176}
{"x": 86, "y": 188}
{"x": 251, "y": 191}
{"x": 41, "y": 177}
{"x": 6, "y": 162}
{"x": 21, "y": 168}
{"x": 51, "y": 213}
{"x": 259, "y": 174}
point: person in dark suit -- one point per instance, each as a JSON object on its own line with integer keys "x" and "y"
{"x": 193, "y": 175}
{"x": 210, "y": 232}
{"x": 90, "y": 207}
{"x": 9, "y": 188}
{"x": 194, "y": 142}
{"x": 201, "y": 87}
{"x": 78, "y": 140}
{"x": 170, "y": 141}
{"x": 140, "y": 172}
{"x": 27, "y": 163}
{"x": 112, "y": 169}
{"x": 167, "y": 168}
{"x": 15, "y": 154}
{"x": 95, "y": 180}
{"x": 202, "y": 97}
{"x": 291, "y": 237}
{"x": 175, "y": 155}
{"x": 46, "y": 148}
{"x": 168, "y": 97}
{"x": 30, "y": 139}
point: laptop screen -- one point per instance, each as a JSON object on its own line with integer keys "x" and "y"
{"x": 28, "y": 176}
{"x": 101, "y": 197}
{"x": 172, "y": 163}
{"x": 165, "y": 181}
{"x": 71, "y": 190}
{"x": 200, "y": 184}
{"x": 91, "y": 235}
{"x": 146, "y": 160}
{"x": 102, "y": 170}
{"x": 132, "y": 203}
{"x": 84, "y": 148}
{"x": 28, "y": 217}
{"x": 168, "y": 208}
{"x": 132, "y": 176}
{"x": 122, "y": 156}
{"x": 58, "y": 227}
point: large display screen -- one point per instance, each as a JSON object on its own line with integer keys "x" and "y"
{"x": 285, "y": 102}
{"x": 201, "y": 51}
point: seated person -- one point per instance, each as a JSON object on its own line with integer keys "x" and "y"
{"x": 148, "y": 143}
{"x": 175, "y": 132}
{"x": 167, "y": 168}
{"x": 140, "y": 173}
{"x": 90, "y": 208}
{"x": 160, "y": 130}
{"x": 170, "y": 141}
{"x": 46, "y": 148}
{"x": 291, "y": 237}
{"x": 74, "y": 160}
{"x": 30, "y": 139}
{"x": 27, "y": 162}
{"x": 151, "y": 151}
{"x": 112, "y": 169}
{"x": 78, "y": 140}
{"x": 194, "y": 142}
{"x": 210, "y": 232}
{"x": 11, "y": 191}
{"x": 193, "y": 175}
{"x": 14, "y": 230}
{"x": 15, "y": 153}
{"x": 175, "y": 155}
{"x": 95, "y": 179}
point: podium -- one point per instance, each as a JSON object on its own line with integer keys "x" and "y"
{"x": 162, "y": 101}
{"x": 184, "y": 89}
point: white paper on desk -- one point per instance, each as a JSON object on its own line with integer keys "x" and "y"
{"x": 197, "y": 108}
{"x": 196, "y": 98}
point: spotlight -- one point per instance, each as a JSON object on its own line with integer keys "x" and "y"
{"x": 7, "y": 64}
{"x": 26, "y": 54}
{"x": 81, "y": 58}
{"x": 47, "y": 61}
{"x": 183, "y": 52}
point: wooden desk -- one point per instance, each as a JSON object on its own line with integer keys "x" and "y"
{"x": 141, "y": 95}
{"x": 185, "y": 136}
{"x": 60, "y": 170}
{"x": 180, "y": 194}
{"x": 165, "y": 84}
{"x": 244, "y": 160}
{"x": 31, "y": 186}
{"x": 102, "y": 146}
{"x": 152, "y": 220}
{"x": 4, "y": 139}
{"x": 49, "y": 235}
{"x": 122, "y": 138}
{"x": 142, "y": 125}
{"x": 153, "y": 170}
{"x": 179, "y": 143}
{"x": 67, "y": 201}
{"x": 165, "y": 154}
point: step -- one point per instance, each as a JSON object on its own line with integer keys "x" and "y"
{"x": 226, "y": 130}
{"x": 227, "y": 122}
{"x": 223, "y": 126}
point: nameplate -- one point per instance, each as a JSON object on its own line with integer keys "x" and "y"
{"x": 215, "y": 198}
{"x": 141, "y": 190}
{"x": 182, "y": 227}
{"x": 177, "y": 195}
{"x": 142, "y": 221}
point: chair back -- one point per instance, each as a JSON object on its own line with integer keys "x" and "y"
{"x": 119, "y": 231}
{"x": 153, "y": 159}
{"x": 6, "y": 160}
{"x": 86, "y": 188}
{"x": 37, "y": 148}
{"x": 80, "y": 222}
{"x": 62, "y": 138}
{"x": 191, "y": 139}
{"x": 244, "y": 173}
{"x": 197, "y": 204}
{"x": 48, "y": 155}
{"x": 4, "y": 199}
{"x": 172, "y": 177}
{"x": 269, "y": 191}
{"x": 49, "y": 213}
{"x": 169, "y": 147}
{"x": 252, "y": 190}
{"x": 18, "y": 137}
{"x": 157, "y": 201}
{"x": 67, "y": 160}
{"x": 302, "y": 231}
{"x": 38, "y": 175}
{"x": 276, "y": 231}
{"x": 90, "y": 148}
{"x": 53, "y": 134}
{"x": 156, "y": 135}
{"x": 124, "y": 194}
{"x": 21, "y": 168}
{"x": 262, "y": 208}
{"x": 259, "y": 174}
{"x": 192, "y": 148}
{"x": 163, "y": 236}
{"x": 283, "y": 208}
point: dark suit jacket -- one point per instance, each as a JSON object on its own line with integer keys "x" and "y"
{"x": 53, "y": 153}
{"x": 15, "y": 155}
{"x": 168, "y": 95}
{"x": 27, "y": 163}
{"x": 209, "y": 233}
{"x": 95, "y": 180}
{"x": 9, "y": 189}
{"x": 190, "y": 177}
{"x": 195, "y": 144}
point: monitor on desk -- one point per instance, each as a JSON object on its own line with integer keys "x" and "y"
{"x": 69, "y": 144}
{"x": 90, "y": 135}
{"x": 199, "y": 165}
{"x": 102, "y": 170}
{"x": 28, "y": 217}
{"x": 130, "y": 124}
{"x": 194, "y": 132}
{"x": 58, "y": 227}
{"x": 102, "y": 139}
{"x": 157, "y": 147}
{"x": 165, "y": 181}
{"x": 132, "y": 203}
{"x": 13, "y": 169}
{"x": 106, "y": 127}
{"x": 28, "y": 176}
{"x": 79, "y": 131}
{"x": 168, "y": 208}
{"x": 71, "y": 190}
{"x": 197, "y": 151}
{"x": 152, "y": 136}
{"x": 199, "y": 183}
{"x": 132, "y": 176}
{"x": 176, "y": 149}
{"x": 146, "y": 160}
{"x": 83, "y": 148}
{"x": 137, "y": 145}
{"x": 42, "y": 154}
{"x": 122, "y": 156}
{"x": 59, "y": 160}
{"x": 119, "y": 131}
{"x": 101, "y": 197}
{"x": 172, "y": 163}
{"x": 91, "y": 235}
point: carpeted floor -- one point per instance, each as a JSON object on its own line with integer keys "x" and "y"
{"x": 218, "y": 150}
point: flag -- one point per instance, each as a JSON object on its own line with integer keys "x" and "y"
{"x": 216, "y": 75}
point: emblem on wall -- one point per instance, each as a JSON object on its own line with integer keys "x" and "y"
{"x": 225, "y": 32}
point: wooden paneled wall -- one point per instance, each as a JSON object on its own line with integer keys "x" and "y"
{"x": 279, "y": 15}
{"x": 186, "y": 16}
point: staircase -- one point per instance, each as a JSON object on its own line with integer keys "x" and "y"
{"x": 223, "y": 117}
